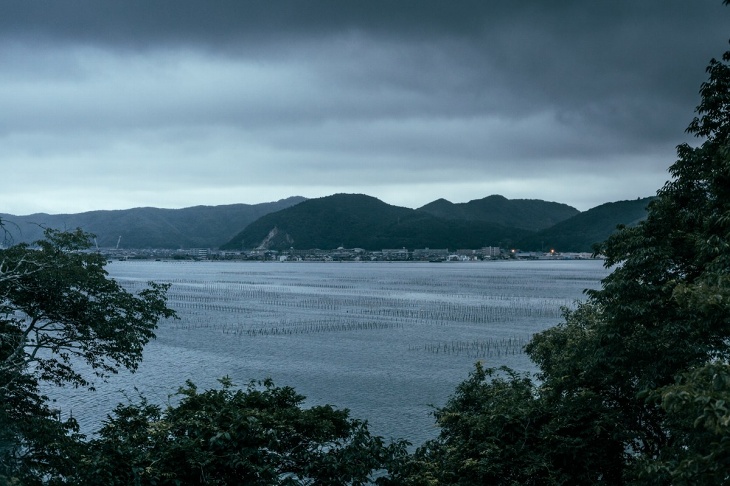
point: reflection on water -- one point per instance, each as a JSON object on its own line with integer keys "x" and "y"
{"x": 386, "y": 340}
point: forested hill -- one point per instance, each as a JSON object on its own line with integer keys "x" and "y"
{"x": 529, "y": 214}
{"x": 360, "y": 221}
{"x": 580, "y": 232}
{"x": 193, "y": 227}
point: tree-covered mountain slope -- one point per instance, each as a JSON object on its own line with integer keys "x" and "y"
{"x": 582, "y": 231}
{"x": 528, "y": 214}
{"x": 193, "y": 227}
{"x": 360, "y": 221}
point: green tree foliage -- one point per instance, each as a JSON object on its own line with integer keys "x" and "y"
{"x": 490, "y": 434}
{"x": 256, "y": 436}
{"x": 58, "y": 308}
{"x": 697, "y": 410}
{"x": 34, "y": 442}
{"x": 634, "y": 385}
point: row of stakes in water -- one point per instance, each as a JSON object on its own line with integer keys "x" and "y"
{"x": 444, "y": 312}
{"x": 290, "y": 328}
{"x": 230, "y": 297}
{"x": 477, "y": 348}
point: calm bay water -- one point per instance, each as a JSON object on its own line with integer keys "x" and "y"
{"x": 387, "y": 340}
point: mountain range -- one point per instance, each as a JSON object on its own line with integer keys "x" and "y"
{"x": 345, "y": 220}
{"x": 193, "y": 227}
{"x": 357, "y": 220}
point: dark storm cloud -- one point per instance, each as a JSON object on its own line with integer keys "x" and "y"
{"x": 316, "y": 88}
{"x": 138, "y": 23}
{"x": 612, "y": 62}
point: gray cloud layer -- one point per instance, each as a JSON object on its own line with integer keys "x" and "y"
{"x": 120, "y": 104}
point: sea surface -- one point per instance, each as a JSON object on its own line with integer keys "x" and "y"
{"x": 389, "y": 341}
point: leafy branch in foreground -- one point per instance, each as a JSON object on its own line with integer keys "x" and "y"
{"x": 58, "y": 309}
{"x": 58, "y": 304}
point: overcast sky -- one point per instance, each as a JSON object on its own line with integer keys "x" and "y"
{"x": 121, "y": 104}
